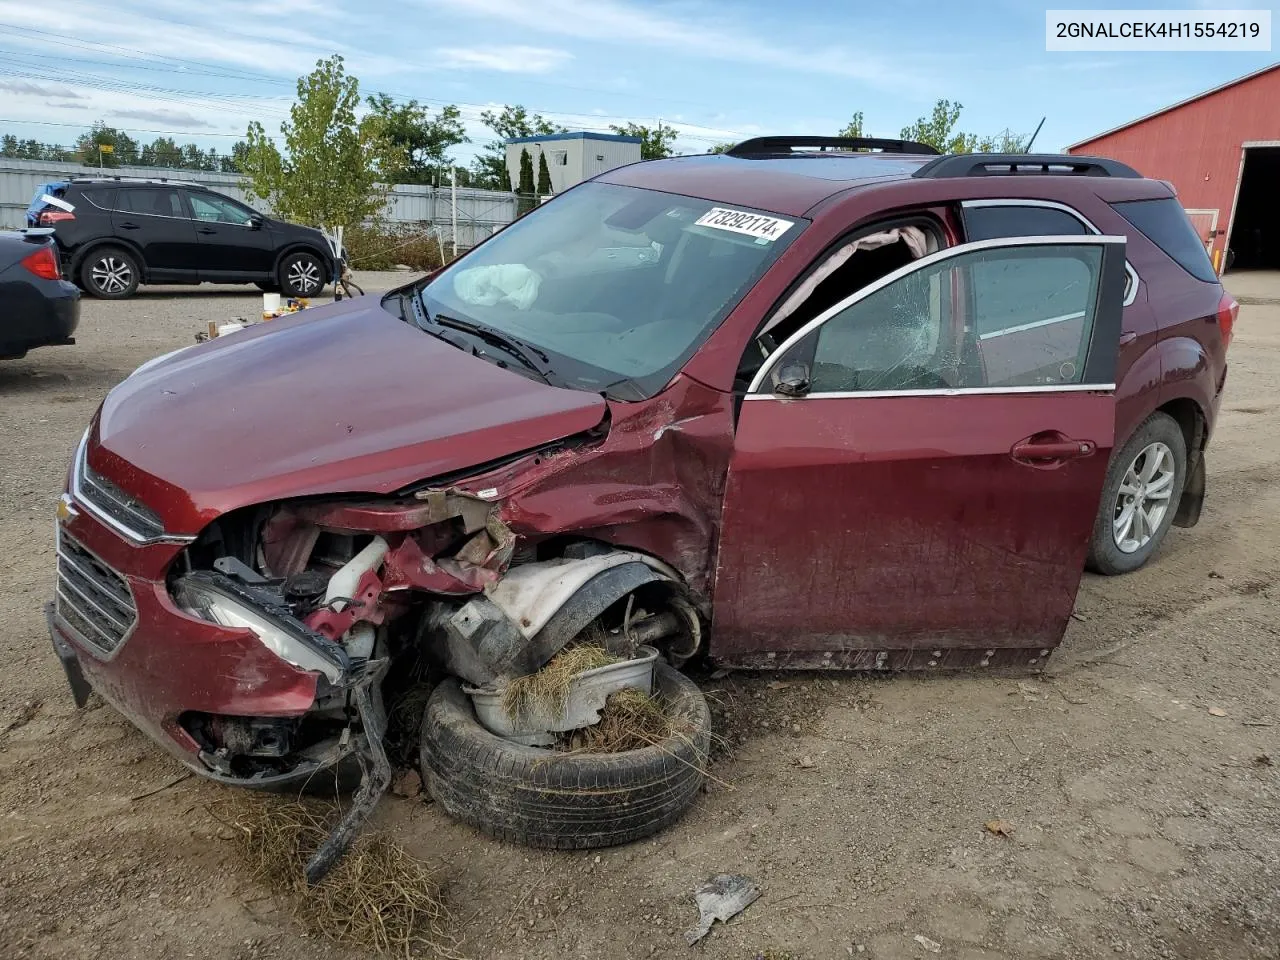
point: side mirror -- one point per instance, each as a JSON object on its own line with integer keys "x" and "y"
{"x": 792, "y": 379}
{"x": 255, "y": 223}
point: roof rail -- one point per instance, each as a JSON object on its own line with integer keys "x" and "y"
{"x": 109, "y": 179}
{"x": 1023, "y": 164}
{"x": 772, "y": 146}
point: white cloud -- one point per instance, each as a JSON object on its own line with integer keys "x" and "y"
{"x": 708, "y": 36}
{"x": 40, "y": 89}
{"x": 176, "y": 118}
{"x": 113, "y": 30}
{"x": 513, "y": 58}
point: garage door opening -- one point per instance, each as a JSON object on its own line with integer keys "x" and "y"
{"x": 1254, "y": 243}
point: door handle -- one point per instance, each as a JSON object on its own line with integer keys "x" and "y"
{"x": 128, "y": 225}
{"x": 206, "y": 230}
{"x": 1051, "y": 447}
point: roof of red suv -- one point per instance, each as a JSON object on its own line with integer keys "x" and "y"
{"x": 788, "y": 184}
{"x": 782, "y": 175}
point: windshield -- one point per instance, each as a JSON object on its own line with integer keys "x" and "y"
{"x": 617, "y": 286}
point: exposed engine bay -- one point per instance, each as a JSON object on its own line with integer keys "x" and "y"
{"x": 371, "y": 594}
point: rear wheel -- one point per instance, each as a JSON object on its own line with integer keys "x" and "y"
{"x": 302, "y": 274}
{"x": 110, "y": 273}
{"x": 1144, "y": 485}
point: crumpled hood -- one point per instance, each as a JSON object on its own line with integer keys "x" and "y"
{"x": 344, "y": 398}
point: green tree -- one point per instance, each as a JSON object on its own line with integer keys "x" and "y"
{"x": 655, "y": 142}
{"x": 489, "y": 169}
{"x": 234, "y": 163}
{"x": 722, "y": 147}
{"x": 1004, "y": 142}
{"x": 939, "y": 129}
{"x": 854, "y": 127}
{"x": 335, "y": 168}
{"x": 544, "y": 176}
{"x": 423, "y": 139}
{"x": 160, "y": 152}
{"x": 124, "y": 149}
{"x": 8, "y": 145}
{"x": 525, "y": 187}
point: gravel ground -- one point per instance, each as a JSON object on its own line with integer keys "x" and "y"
{"x": 1143, "y": 825}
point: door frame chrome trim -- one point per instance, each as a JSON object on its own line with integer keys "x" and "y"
{"x": 948, "y": 392}
{"x": 947, "y": 253}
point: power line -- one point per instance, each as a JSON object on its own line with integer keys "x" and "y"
{"x": 167, "y": 133}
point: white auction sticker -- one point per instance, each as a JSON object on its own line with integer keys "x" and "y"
{"x": 756, "y": 225}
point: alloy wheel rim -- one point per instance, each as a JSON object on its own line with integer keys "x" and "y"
{"x": 303, "y": 276}
{"x": 1144, "y": 497}
{"x": 111, "y": 275}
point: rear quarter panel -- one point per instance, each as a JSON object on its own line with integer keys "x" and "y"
{"x": 1178, "y": 341}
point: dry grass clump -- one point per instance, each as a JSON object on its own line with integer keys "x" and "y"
{"x": 377, "y": 896}
{"x": 631, "y": 720}
{"x": 548, "y": 688}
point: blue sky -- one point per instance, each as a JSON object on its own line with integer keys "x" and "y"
{"x": 716, "y": 71}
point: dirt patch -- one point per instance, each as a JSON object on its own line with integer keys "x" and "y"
{"x": 1143, "y": 826}
{"x": 377, "y": 896}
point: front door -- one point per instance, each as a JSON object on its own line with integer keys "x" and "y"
{"x": 903, "y": 493}
{"x": 234, "y": 244}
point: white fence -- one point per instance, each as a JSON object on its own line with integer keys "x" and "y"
{"x": 479, "y": 212}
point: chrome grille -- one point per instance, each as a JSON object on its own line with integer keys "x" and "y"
{"x": 92, "y": 600}
{"x": 98, "y": 492}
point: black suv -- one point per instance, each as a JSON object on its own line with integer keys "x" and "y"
{"x": 115, "y": 233}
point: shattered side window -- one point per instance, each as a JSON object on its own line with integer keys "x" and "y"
{"x": 1018, "y": 316}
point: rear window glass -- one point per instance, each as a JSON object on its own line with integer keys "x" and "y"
{"x": 101, "y": 197}
{"x": 156, "y": 203}
{"x": 987, "y": 223}
{"x": 1165, "y": 224}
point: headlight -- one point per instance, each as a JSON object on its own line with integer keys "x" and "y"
{"x": 208, "y": 602}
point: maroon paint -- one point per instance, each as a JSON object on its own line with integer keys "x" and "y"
{"x": 350, "y": 399}
{"x": 915, "y": 521}
{"x": 889, "y": 522}
{"x": 173, "y": 662}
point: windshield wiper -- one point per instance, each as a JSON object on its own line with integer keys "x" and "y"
{"x": 527, "y": 354}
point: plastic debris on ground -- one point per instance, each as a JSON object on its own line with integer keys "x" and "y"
{"x": 278, "y": 309}
{"x": 721, "y": 898}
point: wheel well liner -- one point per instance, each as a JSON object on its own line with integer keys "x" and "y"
{"x": 1191, "y": 419}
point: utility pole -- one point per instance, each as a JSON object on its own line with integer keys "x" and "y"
{"x": 453, "y": 191}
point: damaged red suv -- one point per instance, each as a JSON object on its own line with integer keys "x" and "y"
{"x": 813, "y": 403}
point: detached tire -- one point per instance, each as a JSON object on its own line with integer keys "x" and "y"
{"x": 1148, "y": 472}
{"x": 568, "y": 801}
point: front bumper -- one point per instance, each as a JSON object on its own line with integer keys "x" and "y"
{"x": 170, "y": 663}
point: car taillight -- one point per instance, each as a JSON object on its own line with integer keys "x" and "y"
{"x": 50, "y": 217}
{"x": 1228, "y": 310}
{"x": 44, "y": 263}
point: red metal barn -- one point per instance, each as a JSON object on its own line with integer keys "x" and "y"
{"x": 1221, "y": 150}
